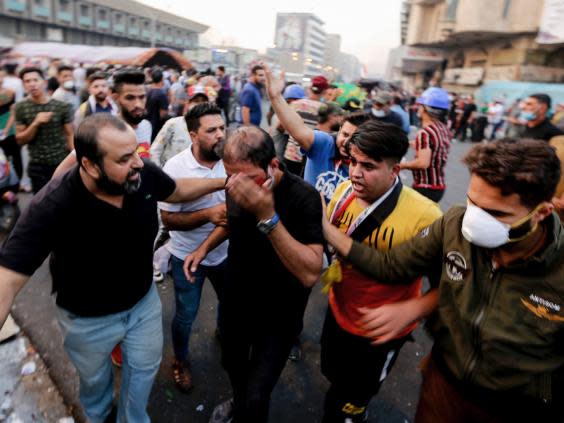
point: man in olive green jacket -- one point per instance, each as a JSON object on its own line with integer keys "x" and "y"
{"x": 498, "y": 354}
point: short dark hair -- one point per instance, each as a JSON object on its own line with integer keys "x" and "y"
{"x": 91, "y": 71}
{"x": 31, "y": 69}
{"x": 357, "y": 118}
{"x": 256, "y": 68}
{"x": 221, "y": 68}
{"x": 526, "y": 167}
{"x": 193, "y": 115}
{"x": 156, "y": 75}
{"x": 86, "y": 136}
{"x": 250, "y": 144}
{"x": 397, "y": 100}
{"x": 10, "y": 68}
{"x": 543, "y": 98}
{"x": 96, "y": 76}
{"x": 326, "y": 110}
{"x": 132, "y": 76}
{"x": 63, "y": 68}
{"x": 380, "y": 141}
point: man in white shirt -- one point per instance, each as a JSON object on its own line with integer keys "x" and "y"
{"x": 495, "y": 117}
{"x": 190, "y": 224}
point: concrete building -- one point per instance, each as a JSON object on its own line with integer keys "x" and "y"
{"x": 100, "y": 22}
{"x": 464, "y": 43}
{"x": 300, "y": 42}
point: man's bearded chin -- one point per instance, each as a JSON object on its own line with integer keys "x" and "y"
{"x": 111, "y": 187}
{"x": 130, "y": 118}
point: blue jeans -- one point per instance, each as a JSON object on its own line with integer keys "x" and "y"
{"x": 89, "y": 342}
{"x": 188, "y": 296}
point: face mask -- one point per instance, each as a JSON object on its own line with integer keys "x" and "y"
{"x": 68, "y": 85}
{"x": 379, "y": 113}
{"x": 483, "y": 230}
{"x": 528, "y": 116}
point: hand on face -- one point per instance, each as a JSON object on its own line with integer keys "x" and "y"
{"x": 252, "y": 197}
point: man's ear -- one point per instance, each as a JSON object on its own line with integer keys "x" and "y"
{"x": 91, "y": 168}
{"x": 544, "y": 210}
{"x": 275, "y": 163}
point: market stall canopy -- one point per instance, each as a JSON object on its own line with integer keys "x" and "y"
{"x": 75, "y": 53}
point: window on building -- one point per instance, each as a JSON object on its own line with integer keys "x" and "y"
{"x": 118, "y": 17}
{"x": 450, "y": 13}
{"x": 133, "y": 22}
{"x": 64, "y": 5}
{"x": 147, "y": 25}
{"x": 40, "y": 3}
{"x": 103, "y": 14}
{"x": 84, "y": 10}
{"x": 506, "y": 6}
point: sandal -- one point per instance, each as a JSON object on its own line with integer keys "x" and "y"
{"x": 182, "y": 376}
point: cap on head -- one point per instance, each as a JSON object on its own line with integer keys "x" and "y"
{"x": 294, "y": 92}
{"x": 434, "y": 97}
{"x": 319, "y": 84}
{"x": 196, "y": 90}
{"x": 382, "y": 97}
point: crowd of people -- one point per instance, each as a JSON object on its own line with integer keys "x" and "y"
{"x": 142, "y": 172}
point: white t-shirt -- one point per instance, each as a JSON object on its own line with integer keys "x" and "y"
{"x": 182, "y": 243}
{"x": 16, "y": 85}
{"x": 495, "y": 113}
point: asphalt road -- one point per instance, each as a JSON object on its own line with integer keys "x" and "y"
{"x": 298, "y": 397}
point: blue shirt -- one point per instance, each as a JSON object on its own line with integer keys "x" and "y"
{"x": 251, "y": 98}
{"x": 100, "y": 109}
{"x": 320, "y": 169}
{"x": 404, "y": 116}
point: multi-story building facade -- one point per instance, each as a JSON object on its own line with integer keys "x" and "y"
{"x": 464, "y": 43}
{"x": 100, "y": 22}
{"x": 300, "y": 43}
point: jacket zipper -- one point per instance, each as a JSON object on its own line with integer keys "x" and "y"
{"x": 477, "y": 323}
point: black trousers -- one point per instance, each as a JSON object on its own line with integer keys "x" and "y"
{"x": 40, "y": 175}
{"x": 355, "y": 369}
{"x": 13, "y": 151}
{"x": 254, "y": 359}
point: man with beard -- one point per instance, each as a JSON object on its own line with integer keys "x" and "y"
{"x": 190, "y": 224}
{"x": 98, "y": 101}
{"x": 251, "y": 98}
{"x": 327, "y": 158}
{"x": 99, "y": 222}
{"x": 130, "y": 96}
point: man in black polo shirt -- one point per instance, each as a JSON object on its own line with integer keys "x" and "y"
{"x": 99, "y": 222}
{"x": 534, "y": 112}
{"x": 274, "y": 258}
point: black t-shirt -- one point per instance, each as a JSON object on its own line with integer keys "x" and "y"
{"x": 157, "y": 100}
{"x": 468, "y": 109}
{"x": 101, "y": 256}
{"x": 544, "y": 131}
{"x": 260, "y": 289}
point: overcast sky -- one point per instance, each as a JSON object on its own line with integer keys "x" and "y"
{"x": 369, "y": 28}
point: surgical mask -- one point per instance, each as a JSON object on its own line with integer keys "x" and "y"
{"x": 483, "y": 230}
{"x": 528, "y": 116}
{"x": 68, "y": 85}
{"x": 379, "y": 113}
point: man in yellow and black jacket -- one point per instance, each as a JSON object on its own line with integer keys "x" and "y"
{"x": 498, "y": 354}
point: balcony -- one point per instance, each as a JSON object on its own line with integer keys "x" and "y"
{"x": 146, "y": 33}
{"x": 133, "y": 30}
{"x": 85, "y": 20}
{"x": 168, "y": 39}
{"x": 103, "y": 24}
{"x": 119, "y": 28}
{"x": 41, "y": 11}
{"x": 64, "y": 16}
{"x": 15, "y": 5}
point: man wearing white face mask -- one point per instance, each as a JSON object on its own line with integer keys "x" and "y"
{"x": 534, "y": 113}
{"x": 66, "y": 91}
{"x": 499, "y": 328}
{"x": 381, "y": 109}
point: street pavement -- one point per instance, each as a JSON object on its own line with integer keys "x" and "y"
{"x": 297, "y": 398}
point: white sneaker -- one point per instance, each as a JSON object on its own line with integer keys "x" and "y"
{"x": 223, "y": 413}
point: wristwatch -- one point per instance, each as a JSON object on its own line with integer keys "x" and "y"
{"x": 267, "y": 225}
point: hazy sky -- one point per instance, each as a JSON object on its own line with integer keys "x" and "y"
{"x": 369, "y": 28}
